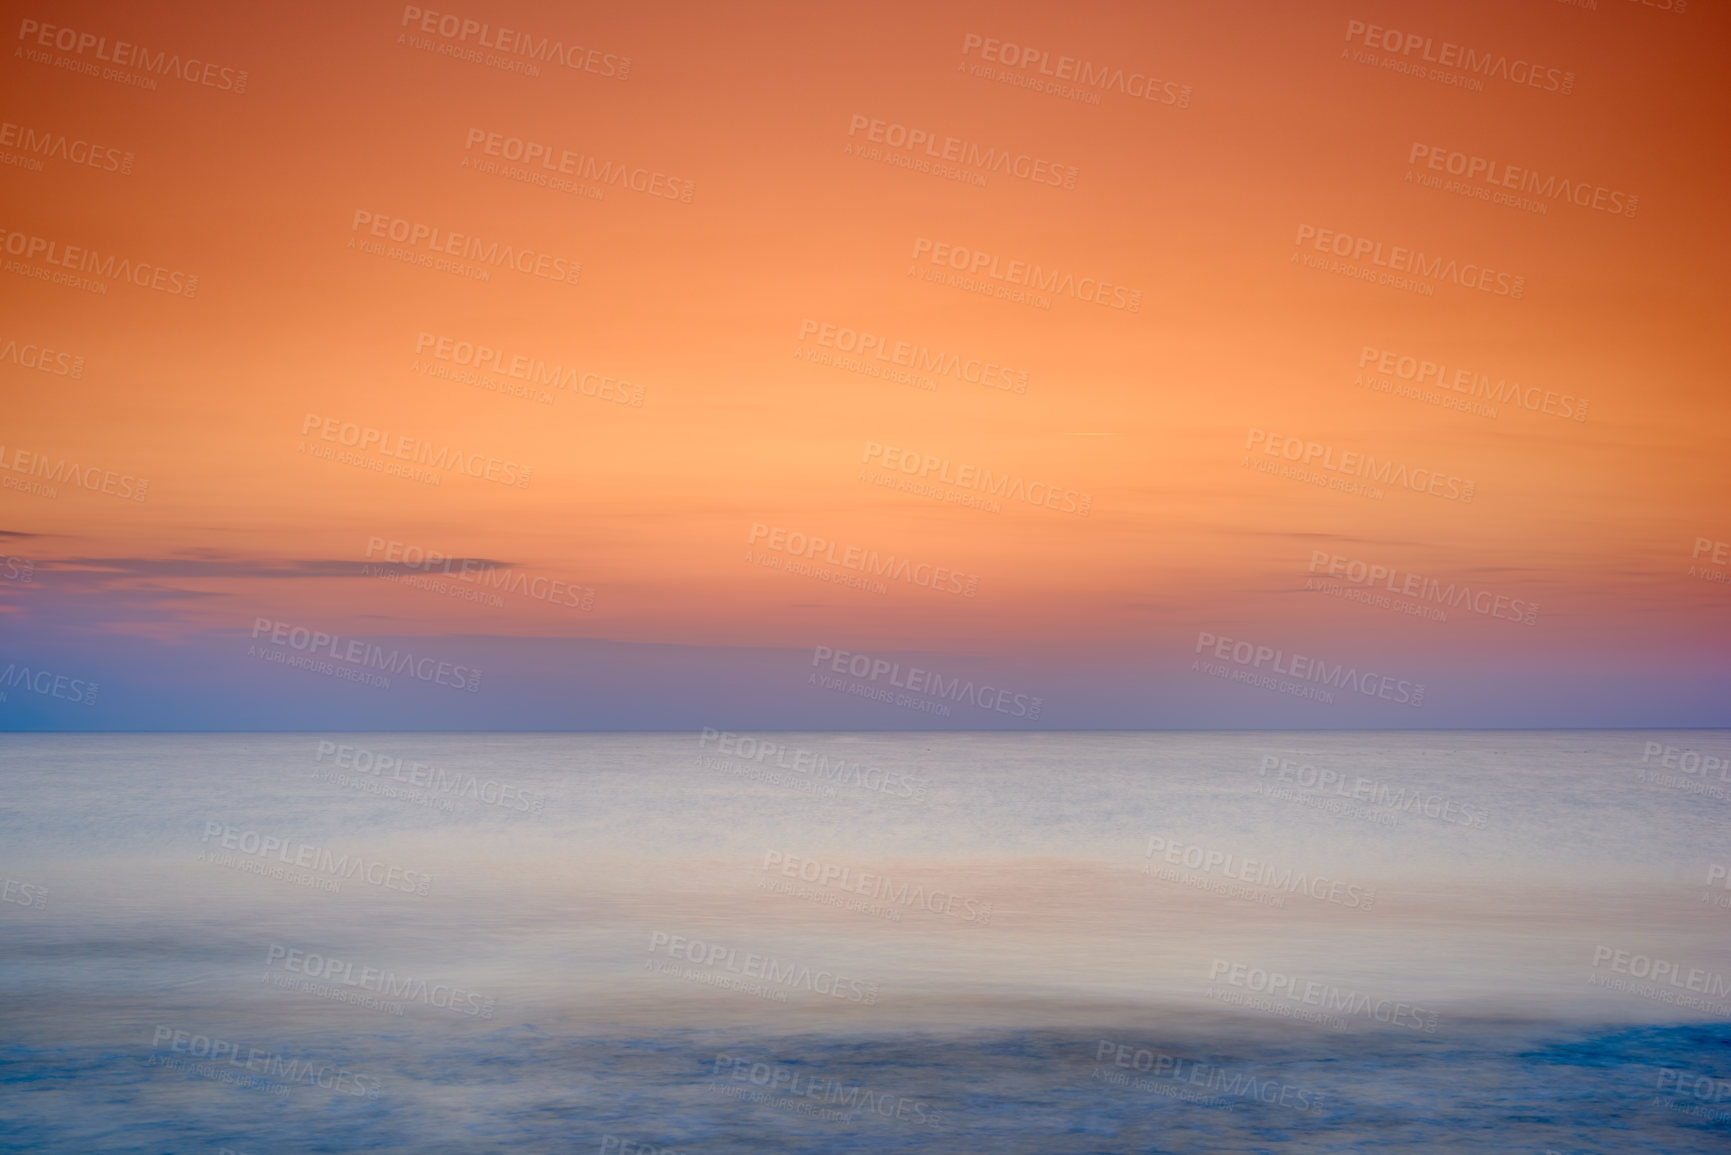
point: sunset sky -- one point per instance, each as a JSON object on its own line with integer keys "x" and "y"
{"x": 632, "y": 561}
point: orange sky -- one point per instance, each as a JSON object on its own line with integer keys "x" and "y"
{"x": 1283, "y": 131}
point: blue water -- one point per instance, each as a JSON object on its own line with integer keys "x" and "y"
{"x": 1422, "y": 942}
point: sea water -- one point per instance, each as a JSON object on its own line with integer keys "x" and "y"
{"x": 1099, "y": 942}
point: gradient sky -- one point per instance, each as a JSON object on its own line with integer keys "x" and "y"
{"x": 696, "y": 313}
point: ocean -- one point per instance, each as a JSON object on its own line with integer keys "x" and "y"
{"x": 767, "y": 942}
